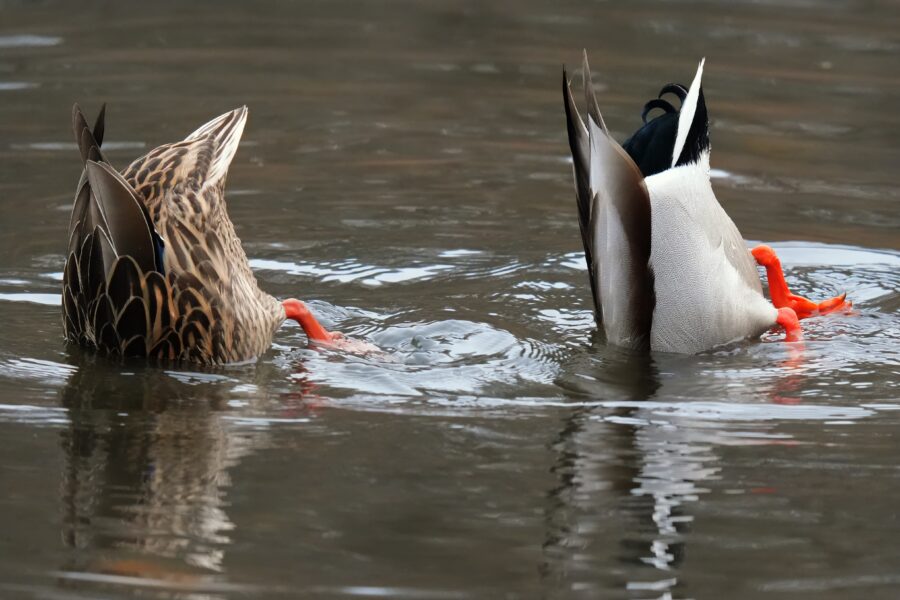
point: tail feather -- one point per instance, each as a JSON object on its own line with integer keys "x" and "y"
{"x": 88, "y": 144}
{"x": 590, "y": 96}
{"x": 100, "y": 125}
{"x": 614, "y": 218}
{"x": 123, "y": 221}
{"x": 89, "y": 147}
{"x": 693, "y": 124}
{"x": 579, "y": 145}
{"x": 224, "y": 133}
{"x": 108, "y": 224}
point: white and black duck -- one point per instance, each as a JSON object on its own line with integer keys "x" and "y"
{"x": 669, "y": 270}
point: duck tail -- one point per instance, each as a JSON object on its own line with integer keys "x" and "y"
{"x": 579, "y": 145}
{"x": 614, "y": 219}
{"x": 89, "y": 140}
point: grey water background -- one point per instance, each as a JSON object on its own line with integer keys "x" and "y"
{"x": 405, "y": 170}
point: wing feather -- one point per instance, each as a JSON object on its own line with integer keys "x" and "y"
{"x": 614, "y": 218}
{"x": 124, "y": 221}
{"x": 579, "y": 146}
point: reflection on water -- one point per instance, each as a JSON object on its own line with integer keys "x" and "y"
{"x": 405, "y": 170}
{"x": 147, "y": 474}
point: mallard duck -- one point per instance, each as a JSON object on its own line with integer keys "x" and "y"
{"x": 668, "y": 269}
{"x": 154, "y": 267}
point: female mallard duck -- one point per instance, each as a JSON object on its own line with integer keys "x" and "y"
{"x": 668, "y": 269}
{"x": 154, "y": 267}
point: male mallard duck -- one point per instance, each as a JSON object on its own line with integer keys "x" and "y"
{"x": 668, "y": 269}
{"x": 154, "y": 267}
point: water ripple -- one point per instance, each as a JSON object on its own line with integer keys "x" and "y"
{"x": 350, "y": 270}
{"x": 47, "y": 371}
{"x": 29, "y": 41}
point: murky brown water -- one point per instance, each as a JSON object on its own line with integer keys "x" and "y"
{"x": 405, "y": 168}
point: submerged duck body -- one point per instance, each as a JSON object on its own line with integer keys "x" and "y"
{"x": 154, "y": 267}
{"x": 669, "y": 270}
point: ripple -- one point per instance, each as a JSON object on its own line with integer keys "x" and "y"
{"x": 796, "y": 254}
{"x": 71, "y": 146}
{"x": 350, "y": 270}
{"x": 825, "y": 584}
{"x": 29, "y": 41}
{"x": 454, "y": 359}
{"x": 45, "y": 299}
{"x": 10, "y": 86}
{"x": 33, "y": 415}
{"x": 459, "y": 253}
{"x": 543, "y": 356}
{"x": 47, "y": 371}
{"x": 392, "y": 592}
{"x": 439, "y": 357}
{"x": 184, "y": 583}
{"x": 727, "y": 411}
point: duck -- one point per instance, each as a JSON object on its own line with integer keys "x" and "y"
{"x": 154, "y": 267}
{"x": 668, "y": 269}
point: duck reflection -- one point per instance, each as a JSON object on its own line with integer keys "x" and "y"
{"x": 149, "y": 455}
{"x": 620, "y": 478}
{"x": 620, "y": 514}
{"x": 788, "y": 387}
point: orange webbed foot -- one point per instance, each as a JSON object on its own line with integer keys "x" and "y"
{"x": 781, "y": 295}
{"x": 341, "y": 342}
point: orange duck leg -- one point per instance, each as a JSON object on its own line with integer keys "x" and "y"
{"x": 296, "y": 310}
{"x": 782, "y": 296}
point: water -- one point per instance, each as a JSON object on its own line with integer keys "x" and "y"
{"x": 405, "y": 169}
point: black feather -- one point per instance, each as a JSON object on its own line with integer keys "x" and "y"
{"x": 88, "y": 145}
{"x": 132, "y": 320}
{"x": 124, "y": 282}
{"x": 674, "y": 88}
{"x": 99, "y": 125}
{"x": 135, "y": 347}
{"x": 84, "y": 264}
{"x": 652, "y": 145}
{"x": 95, "y": 268}
{"x": 108, "y": 340}
{"x": 656, "y": 103}
{"x": 103, "y": 320}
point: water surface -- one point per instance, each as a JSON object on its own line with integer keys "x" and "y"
{"x": 405, "y": 169}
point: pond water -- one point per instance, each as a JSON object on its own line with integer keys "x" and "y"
{"x": 405, "y": 169}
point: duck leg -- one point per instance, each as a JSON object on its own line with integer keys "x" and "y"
{"x": 294, "y": 309}
{"x": 298, "y": 311}
{"x": 787, "y": 318}
{"x": 782, "y": 296}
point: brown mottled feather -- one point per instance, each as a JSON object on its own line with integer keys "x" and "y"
{"x": 197, "y": 300}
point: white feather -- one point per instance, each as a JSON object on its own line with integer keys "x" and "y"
{"x": 686, "y": 114}
{"x": 702, "y": 298}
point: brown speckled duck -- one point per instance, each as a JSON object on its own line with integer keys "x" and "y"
{"x": 154, "y": 267}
